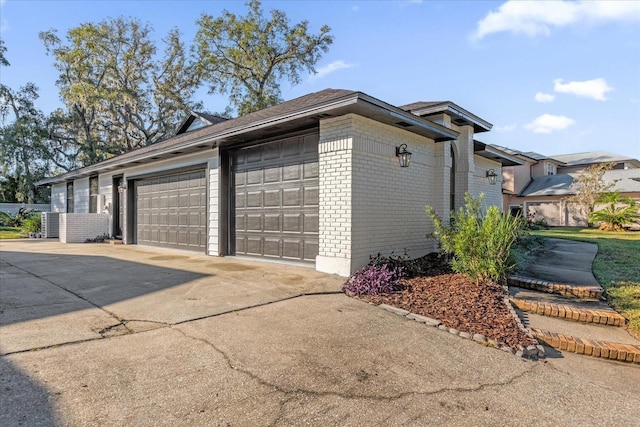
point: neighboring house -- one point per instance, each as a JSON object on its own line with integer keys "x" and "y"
{"x": 315, "y": 180}
{"x": 541, "y": 186}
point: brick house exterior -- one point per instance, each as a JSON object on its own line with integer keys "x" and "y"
{"x": 314, "y": 180}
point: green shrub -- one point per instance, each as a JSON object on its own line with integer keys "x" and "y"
{"x": 480, "y": 242}
{"x": 618, "y": 212}
{"x": 16, "y": 220}
{"x": 32, "y": 224}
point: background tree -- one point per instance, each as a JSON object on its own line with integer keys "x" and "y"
{"x": 616, "y": 213}
{"x": 248, "y": 56}
{"x": 24, "y": 154}
{"x": 119, "y": 95}
{"x": 589, "y": 186}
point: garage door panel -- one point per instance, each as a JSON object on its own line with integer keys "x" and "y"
{"x": 271, "y": 247}
{"x": 311, "y": 196}
{"x": 311, "y": 223}
{"x": 253, "y": 245}
{"x": 276, "y": 199}
{"x": 292, "y": 223}
{"x": 254, "y": 222}
{"x": 254, "y": 199}
{"x": 271, "y": 222}
{"x": 292, "y": 197}
{"x": 310, "y": 170}
{"x": 272, "y": 198}
{"x": 171, "y": 211}
{"x": 292, "y": 173}
{"x": 272, "y": 174}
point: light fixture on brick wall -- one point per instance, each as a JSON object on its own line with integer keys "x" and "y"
{"x": 492, "y": 176}
{"x": 404, "y": 156}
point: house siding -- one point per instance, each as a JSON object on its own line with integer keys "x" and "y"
{"x": 81, "y": 195}
{"x": 59, "y": 197}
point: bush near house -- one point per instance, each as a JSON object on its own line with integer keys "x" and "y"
{"x": 480, "y": 242}
{"x": 19, "y": 225}
{"x": 16, "y": 220}
{"x": 617, "y": 213}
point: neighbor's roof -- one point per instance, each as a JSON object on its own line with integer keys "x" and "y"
{"x": 297, "y": 114}
{"x": 460, "y": 115}
{"x": 625, "y": 181}
{"x": 591, "y": 157}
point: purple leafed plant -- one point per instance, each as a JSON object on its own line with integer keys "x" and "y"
{"x": 373, "y": 280}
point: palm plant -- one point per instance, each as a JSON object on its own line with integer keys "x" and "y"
{"x": 617, "y": 212}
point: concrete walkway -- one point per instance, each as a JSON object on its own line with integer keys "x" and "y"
{"x": 131, "y": 336}
{"x": 565, "y": 321}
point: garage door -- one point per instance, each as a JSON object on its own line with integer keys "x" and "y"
{"x": 549, "y": 211}
{"x": 171, "y": 211}
{"x": 276, "y": 199}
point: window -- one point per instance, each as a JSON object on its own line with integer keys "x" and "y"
{"x": 93, "y": 194}
{"x": 70, "y": 197}
{"x": 550, "y": 170}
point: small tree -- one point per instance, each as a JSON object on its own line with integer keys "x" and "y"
{"x": 589, "y": 186}
{"x": 479, "y": 242}
{"x": 617, "y": 212}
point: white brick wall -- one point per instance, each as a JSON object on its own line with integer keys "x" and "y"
{"x": 368, "y": 203}
{"x": 492, "y": 193}
{"x": 59, "y": 197}
{"x": 214, "y": 203}
{"x": 78, "y": 227}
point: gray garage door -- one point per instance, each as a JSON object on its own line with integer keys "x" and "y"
{"x": 276, "y": 199}
{"x": 171, "y": 211}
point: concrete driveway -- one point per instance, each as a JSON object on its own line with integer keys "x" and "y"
{"x": 120, "y": 335}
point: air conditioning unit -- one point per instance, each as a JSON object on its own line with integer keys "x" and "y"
{"x": 50, "y": 224}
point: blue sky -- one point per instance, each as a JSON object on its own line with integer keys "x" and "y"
{"x": 552, "y": 77}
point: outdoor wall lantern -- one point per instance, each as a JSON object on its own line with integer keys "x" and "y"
{"x": 122, "y": 188}
{"x": 404, "y": 156}
{"x": 492, "y": 176}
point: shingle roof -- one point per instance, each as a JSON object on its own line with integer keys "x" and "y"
{"x": 303, "y": 111}
{"x": 590, "y": 157}
{"x": 625, "y": 181}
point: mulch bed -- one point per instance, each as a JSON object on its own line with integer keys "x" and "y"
{"x": 458, "y": 303}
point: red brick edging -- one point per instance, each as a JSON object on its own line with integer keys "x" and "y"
{"x": 595, "y": 292}
{"x": 570, "y": 312}
{"x": 603, "y": 349}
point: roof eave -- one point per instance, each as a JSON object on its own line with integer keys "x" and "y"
{"x": 340, "y": 105}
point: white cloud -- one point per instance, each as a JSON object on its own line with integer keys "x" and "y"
{"x": 544, "y": 97}
{"x": 596, "y": 88}
{"x": 330, "y": 68}
{"x": 506, "y": 128}
{"x": 539, "y": 17}
{"x": 548, "y": 123}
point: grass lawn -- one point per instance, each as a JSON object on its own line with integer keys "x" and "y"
{"x": 12, "y": 233}
{"x": 616, "y": 267}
